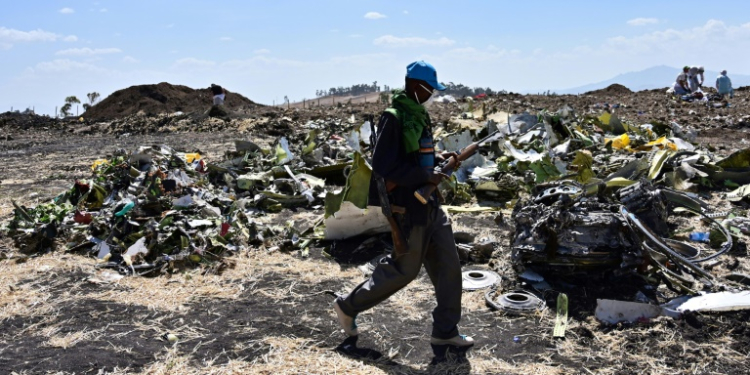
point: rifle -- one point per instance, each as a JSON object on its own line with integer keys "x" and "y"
{"x": 399, "y": 241}
{"x": 446, "y": 167}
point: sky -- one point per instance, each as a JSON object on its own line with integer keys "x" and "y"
{"x": 265, "y": 50}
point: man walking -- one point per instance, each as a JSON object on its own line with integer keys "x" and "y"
{"x": 404, "y": 156}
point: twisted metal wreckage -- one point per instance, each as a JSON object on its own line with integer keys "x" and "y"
{"x": 597, "y": 198}
{"x": 566, "y": 230}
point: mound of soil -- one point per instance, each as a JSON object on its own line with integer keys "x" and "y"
{"x": 14, "y": 121}
{"x": 162, "y": 98}
{"x": 614, "y": 89}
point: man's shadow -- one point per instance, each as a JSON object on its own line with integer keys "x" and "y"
{"x": 450, "y": 362}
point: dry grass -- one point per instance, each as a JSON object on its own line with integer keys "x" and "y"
{"x": 30, "y": 299}
{"x": 70, "y": 339}
{"x": 39, "y": 286}
{"x": 289, "y": 355}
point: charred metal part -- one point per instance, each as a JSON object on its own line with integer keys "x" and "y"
{"x": 648, "y": 203}
{"x": 515, "y": 302}
{"x": 688, "y": 251}
{"x": 479, "y": 279}
{"x": 662, "y": 249}
{"x": 565, "y": 232}
{"x": 554, "y": 192}
{"x": 572, "y": 237}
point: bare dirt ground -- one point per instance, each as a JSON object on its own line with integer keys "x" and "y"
{"x": 270, "y": 313}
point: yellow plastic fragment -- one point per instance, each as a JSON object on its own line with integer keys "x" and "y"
{"x": 192, "y": 157}
{"x": 620, "y": 142}
{"x": 661, "y": 143}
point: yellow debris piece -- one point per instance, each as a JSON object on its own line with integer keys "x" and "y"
{"x": 97, "y": 163}
{"x": 192, "y": 157}
{"x": 620, "y": 142}
{"x": 661, "y": 143}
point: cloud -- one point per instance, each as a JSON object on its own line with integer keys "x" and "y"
{"x": 712, "y": 36}
{"x": 394, "y": 41}
{"x": 262, "y": 51}
{"x": 192, "y": 62}
{"x": 374, "y": 15}
{"x": 225, "y": 39}
{"x": 171, "y": 25}
{"x": 103, "y": 10}
{"x": 406, "y": 12}
{"x": 67, "y": 11}
{"x": 87, "y": 51}
{"x": 63, "y": 65}
{"x": 262, "y": 61}
{"x": 130, "y": 60}
{"x": 10, "y": 36}
{"x": 643, "y": 21}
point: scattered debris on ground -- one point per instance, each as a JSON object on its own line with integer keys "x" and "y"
{"x": 608, "y": 204}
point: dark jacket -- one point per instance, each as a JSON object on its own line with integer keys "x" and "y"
{"x": 391, "y": 161}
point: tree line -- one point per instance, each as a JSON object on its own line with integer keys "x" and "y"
{"x": 458, "y": 90}
{"x": 352, "y": 90}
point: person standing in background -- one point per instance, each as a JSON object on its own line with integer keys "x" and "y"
{"x": 219, "y": 94}
{"x": 693, "y": 74}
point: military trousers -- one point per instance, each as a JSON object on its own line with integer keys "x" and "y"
{"x": 433, "y": 246}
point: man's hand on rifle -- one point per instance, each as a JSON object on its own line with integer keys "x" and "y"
{"x": 446, "y": 156}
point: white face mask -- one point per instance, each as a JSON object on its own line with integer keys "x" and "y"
{"x": 428, "y": 103}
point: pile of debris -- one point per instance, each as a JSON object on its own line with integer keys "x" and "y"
{"x": 148, "y": 210}
{"x": 590, "y": 194}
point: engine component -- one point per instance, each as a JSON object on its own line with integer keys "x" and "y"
{"x": 515, "y": 302}
{"x": 479, "y": 279}
{"x": 565, "y": 232}
{"x": 571, "y": 235}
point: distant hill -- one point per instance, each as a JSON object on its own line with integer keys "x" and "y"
{"x": 653, "y": 78}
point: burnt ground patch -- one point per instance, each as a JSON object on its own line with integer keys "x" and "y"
{"x": 85, "y": 335}
{"x": 116, "y": 342}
